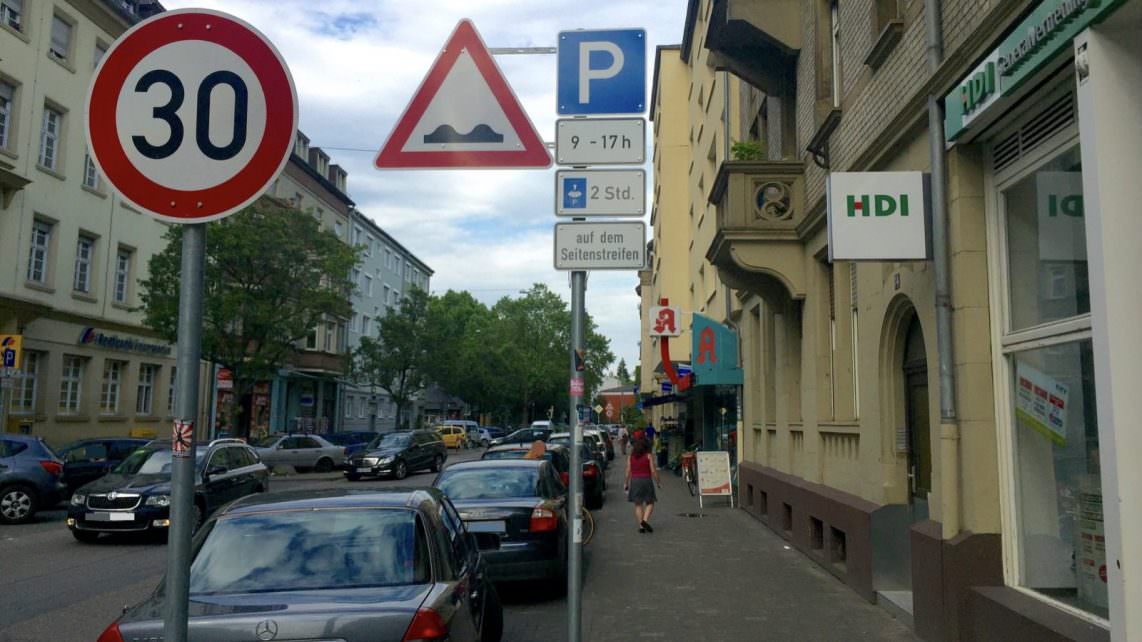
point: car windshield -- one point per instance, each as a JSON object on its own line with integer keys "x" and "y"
{"x": 489, "y": 483}
{"x": 151, "y": 461}
{"x": 266, "y": 442}
{"x": 391, "y": 440}
{"x": 310, "y": 550}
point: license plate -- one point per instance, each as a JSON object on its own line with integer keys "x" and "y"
{"x": 487, "y": 527}
{"x": 110, "y": 517}
{"x": 364, "y": 469}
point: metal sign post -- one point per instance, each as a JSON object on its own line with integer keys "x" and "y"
{"x": 574, "y": 555}
{"x": 182, "y": 464}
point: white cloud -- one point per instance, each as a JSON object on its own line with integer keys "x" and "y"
{"x": 356, "y": 65}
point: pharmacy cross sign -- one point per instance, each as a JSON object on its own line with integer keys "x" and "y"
{"x": 191, "y": 114}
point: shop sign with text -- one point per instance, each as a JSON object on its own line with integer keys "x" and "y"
{"x": 877, "y": 216}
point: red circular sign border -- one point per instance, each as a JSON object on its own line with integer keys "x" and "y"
{"x": 192, "y": 206}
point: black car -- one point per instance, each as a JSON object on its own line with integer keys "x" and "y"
{"x": 559, "y": 456}
{"x": 135, "y": 497}
{"x": 524, "y": 505}
{"x": 349, "y": 565}
{"x": 594, "y": 474}
{"x": 89, "y": 459}
{"x": 397, "y": 454}
{"x": 524, "y": 436}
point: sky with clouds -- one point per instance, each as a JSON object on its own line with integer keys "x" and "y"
{"x": 356, "y": 64}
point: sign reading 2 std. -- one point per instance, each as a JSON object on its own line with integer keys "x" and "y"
{"x": 191, "y": 115}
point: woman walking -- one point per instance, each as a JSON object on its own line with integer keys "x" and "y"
{"x": 638, "y": 484}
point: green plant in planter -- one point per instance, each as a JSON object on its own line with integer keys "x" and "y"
{"x": 748, "y": 150}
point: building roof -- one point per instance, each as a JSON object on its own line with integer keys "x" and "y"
{"x": 654, "y": 83}
{"x": 372, "y": 225}
{"x": 627, "y": 389}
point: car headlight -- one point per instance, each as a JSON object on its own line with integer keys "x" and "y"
{"x": 159, "y": 500}
{"x": 386, "y": 459}
{"x": 78, "y": 499}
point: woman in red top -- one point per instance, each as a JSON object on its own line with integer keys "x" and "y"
{"x": 638, "y": 484}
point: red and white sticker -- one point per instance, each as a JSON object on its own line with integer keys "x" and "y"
{"x": 576, "y": 387}
{"x": 182, "y": 436}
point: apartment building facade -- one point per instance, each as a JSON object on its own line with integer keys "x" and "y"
{"x": 73, "y": 251}
{"x": 976, "y": 512}
{"x": 387, "y": 272}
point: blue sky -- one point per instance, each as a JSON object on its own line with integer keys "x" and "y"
{"x": 356, "y": 64}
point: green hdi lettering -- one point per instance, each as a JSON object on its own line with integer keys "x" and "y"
{"x": 1069, "y": 205}
{"x": 883, "y": 205}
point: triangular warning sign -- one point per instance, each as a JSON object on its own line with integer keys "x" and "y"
{"x": 464, "y": 115}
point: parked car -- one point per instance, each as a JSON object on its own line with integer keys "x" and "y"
{"x": 303, "y": 452}
{"x": 592, "y": 440}
{"x": 135, "y": 497}
{"x": 485, "y": 435}
{"x": 524, "y": 436}
{"x": 453, "y": 436}
{"x": 559, "y": 456}
{"x": 351, "y": 442}
{"x": 523, "y": 504}
{"x": 398, "y": 454}
{"x": 89, "y": 459}
{"x": 345, "y": 565}
{"x": 605, "y": 439}
{"x": 594, "y": 477}
{"x": 30, "y": 478}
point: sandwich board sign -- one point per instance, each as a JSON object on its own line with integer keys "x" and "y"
{"x": 464, "y": 115}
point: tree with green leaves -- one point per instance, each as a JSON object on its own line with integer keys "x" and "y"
{"x": 622, "y": 374}
{"x": 396, "y": 359}
{"x": 271, "y": 276}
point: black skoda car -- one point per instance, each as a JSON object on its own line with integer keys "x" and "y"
{"x": 135, "y": 496}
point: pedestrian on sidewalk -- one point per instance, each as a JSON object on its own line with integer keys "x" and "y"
{"x": 624, "y": 437}
{"x": 639, "y": 485}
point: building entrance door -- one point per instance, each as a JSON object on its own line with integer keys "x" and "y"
{"x": 918, "y": 423}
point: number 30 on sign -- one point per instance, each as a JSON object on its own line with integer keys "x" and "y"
{"x": 191, "y": 115}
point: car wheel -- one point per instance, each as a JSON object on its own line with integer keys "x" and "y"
{"x": 87, "y": 537}
{"x": 437, "y": 462}
{"x": 197, "y": 515}
{"x": 493, "y": 624}
{"x": 400, "y": 469}
{"x": 353, "y": 477}
{"x": 18, "y": 504}
{"x": 324, "y": 465}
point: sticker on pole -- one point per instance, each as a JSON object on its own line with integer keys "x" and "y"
{"x": 576, "y": 387}
{"x": 464, "y": 115}
{"x": 181, "y": 437}
{"x": 191, "y": 115}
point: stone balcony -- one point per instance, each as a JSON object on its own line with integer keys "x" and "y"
{"x": 757, "y": 41}
{"x": 759, "y": 245}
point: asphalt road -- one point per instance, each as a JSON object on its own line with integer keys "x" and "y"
{"x": 53, "y": 588}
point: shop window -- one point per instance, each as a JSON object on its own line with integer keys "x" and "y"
{"x": 112, "y": 386}
{"x": 24, "y": 392}
{"x": 145, "y": 394}
{"x": 71, "y": 384}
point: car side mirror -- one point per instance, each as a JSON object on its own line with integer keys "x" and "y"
{"x": 216, "y": 470}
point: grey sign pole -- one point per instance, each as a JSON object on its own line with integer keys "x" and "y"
{"x": 575, "y": 553}
{"x": 182, "y": 466}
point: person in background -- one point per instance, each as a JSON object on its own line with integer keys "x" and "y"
{"x": 624, "y": 437}
{"x": 641, "y": 478}
{"x": 650, "y": 433}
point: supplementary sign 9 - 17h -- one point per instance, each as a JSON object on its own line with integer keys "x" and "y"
{"x": 606, "y": 141}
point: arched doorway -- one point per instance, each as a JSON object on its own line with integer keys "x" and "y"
{"x": 917, "y": 419}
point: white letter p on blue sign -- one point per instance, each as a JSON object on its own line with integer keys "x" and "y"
{"x": 586, "y": 73}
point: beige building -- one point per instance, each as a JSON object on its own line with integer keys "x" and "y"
{"x": 977, "y": 513}
{"x": 72, "y": 251}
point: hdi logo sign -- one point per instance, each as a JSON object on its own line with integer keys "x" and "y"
{"x": 877, "y": 216}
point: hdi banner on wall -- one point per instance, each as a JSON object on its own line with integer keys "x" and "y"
{"x": 878, "y": 216}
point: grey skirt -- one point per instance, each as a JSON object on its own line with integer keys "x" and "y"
{"x": 641, "y": 491}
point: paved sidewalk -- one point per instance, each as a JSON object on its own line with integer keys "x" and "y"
{"x": 722, "y": 577}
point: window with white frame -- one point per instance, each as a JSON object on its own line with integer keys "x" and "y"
{"x": 368, "y": 246}
{"x": 112, "y": 386}
{"x": 50, "y": 129}
{"x": 1045, "y": 373}
{"x": 60, "y": 48}
{"x": 361, "y": 403}
{"x": 311, "y": 340}
{"x": 7, "y": 96}
{"x": 122, "y": 275}
{"x": 388, "y": 260}
{"x": 368, "y": 285}
{"x": 835, "y": 35}
{"x": 365, "y": 325}
{"x": 12, "y": 13}
{"x": 24, "y": 393}
{"x": 385, "y": 298}
{"x": 330, "y": 336}
{"x": 100, "y": 51}
{"x": 348, "y": 406}
{"x": 356, "y": 278}
{"x": 71, "y": 384}
{"x": 144, "y": 400}
{"x": 84, "y": 254}
{"x": 339, "y": 228}
{"x": 172, "y": 391}
{"x": 90, "y": 173}
{"x": 38, "y": 254}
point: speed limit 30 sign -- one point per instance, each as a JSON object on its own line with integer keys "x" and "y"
{"x": 191, "y": 115}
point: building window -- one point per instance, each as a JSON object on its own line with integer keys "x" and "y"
{"x": 100, "y": 51}
{"x": 365, "y": 325}
{"x": 835, "y": 42}
{"x": 1048, "y": 383}
{"x": 361, "y": 403}
{"x": 84, "y": 252}
{"x": 38, "y": 256}
{"x": 388, "y": 260}
{"x": 330, "y": 336}
{"x": 385, "y": 299}
{"x": 7, "y": 95}
{"x": 311, "y": 340}
{"x": 49, "y": 138}
{"x": 122, "y": 275}
{"x": 339, "y": 228}
{"x": 144, "y": 401}
{"x": 368, "y": 246}
{"x": 11, "y": 13}
{"x": 368, "y": 285}
{"x": 348, "y": 407}
{"x": 71, "y": 385}
{"x": 172, "y": 392}
{"x": 90, "y": 173}
{"x": 61, "y": 38}
{"x": 24, "y": 395}
{"x": 112, "y": 383}
{"x": 356, "y": 278}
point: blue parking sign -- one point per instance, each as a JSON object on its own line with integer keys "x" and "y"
{"x": 601, "y": 72}
{"x": 575, "y": 193}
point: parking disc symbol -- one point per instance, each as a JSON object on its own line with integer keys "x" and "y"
{"x": 574, "y": 193}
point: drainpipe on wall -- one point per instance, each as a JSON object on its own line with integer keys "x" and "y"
{"x": 949, "y": 425}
